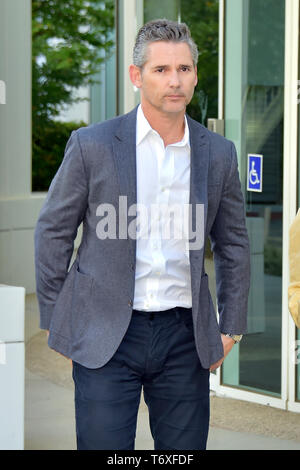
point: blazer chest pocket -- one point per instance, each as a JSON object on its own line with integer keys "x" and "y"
{"x": 81, "y": 303}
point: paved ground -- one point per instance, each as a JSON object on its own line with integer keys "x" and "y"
{"x": 49, "y": 410}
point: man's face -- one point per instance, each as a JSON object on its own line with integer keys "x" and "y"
{"x": 168, "y": 78}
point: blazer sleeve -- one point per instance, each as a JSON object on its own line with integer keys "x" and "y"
{"x": 230, "y": 246}
{"x": 57, "y": 227}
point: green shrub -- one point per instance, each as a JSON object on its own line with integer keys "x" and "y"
{"x": 48, "y": 145}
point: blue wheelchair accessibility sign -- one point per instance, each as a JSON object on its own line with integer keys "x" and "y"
{"x": 255, "y": 173}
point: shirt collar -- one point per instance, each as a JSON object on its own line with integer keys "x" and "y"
{"x": 143, "y": 128}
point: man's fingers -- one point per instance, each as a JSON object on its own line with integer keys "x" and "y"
{"x": 216, "y": 365}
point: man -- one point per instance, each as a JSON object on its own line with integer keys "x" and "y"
{"x": 134, "y": 310}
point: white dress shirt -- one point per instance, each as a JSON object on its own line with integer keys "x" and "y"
{"x": 162, "y": 279}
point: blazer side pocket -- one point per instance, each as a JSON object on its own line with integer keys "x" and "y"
{"x": 209, "y": 314}
{"x": 81, "y": 303}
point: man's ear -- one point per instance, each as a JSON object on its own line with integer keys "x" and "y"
{"x": 196, "y": 78}
{"x": 135, "y": 75}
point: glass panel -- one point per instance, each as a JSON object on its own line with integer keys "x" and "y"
{"x": 202, "y": 19}
{"x": 154, "y": 9}
{"x": 70, "y": 40}
{"x": 254, "y": 121}
{"x": 103, "y": 92}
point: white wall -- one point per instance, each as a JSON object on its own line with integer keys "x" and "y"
{"x": 18, "y": 207}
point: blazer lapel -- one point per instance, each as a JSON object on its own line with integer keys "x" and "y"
{"x": 124, "y": 152}
{"x": 198, "y": 195}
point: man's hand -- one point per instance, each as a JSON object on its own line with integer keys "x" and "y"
{"x": 227, "y": 346}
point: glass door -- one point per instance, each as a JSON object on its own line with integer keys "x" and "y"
{"x": 253, "y": 109}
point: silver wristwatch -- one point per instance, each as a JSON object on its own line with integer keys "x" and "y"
{"x": 236, "y": 338}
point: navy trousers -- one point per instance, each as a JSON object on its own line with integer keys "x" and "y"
{"x": 158, "y": 355}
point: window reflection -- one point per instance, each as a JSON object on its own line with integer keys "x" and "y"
{"x": 68, "y": 39}
{"x": 261, "y": 69}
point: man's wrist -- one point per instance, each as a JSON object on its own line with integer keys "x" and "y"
{"x": 234, "y": 337}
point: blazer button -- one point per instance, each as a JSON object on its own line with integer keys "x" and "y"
{"x": 130, "y": 303}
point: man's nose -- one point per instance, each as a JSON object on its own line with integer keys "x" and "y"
{"x": 174, "y": 79}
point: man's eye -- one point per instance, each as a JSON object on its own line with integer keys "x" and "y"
{"x": 160, "y": 70}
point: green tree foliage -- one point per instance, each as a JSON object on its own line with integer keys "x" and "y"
{"x": 202, "y": 17}
{"x": 67, "y": 40}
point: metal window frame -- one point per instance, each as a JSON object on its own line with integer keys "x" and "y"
{"x": 290, "y": 154}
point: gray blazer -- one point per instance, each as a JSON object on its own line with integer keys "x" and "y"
{"x": 87, "y": 307}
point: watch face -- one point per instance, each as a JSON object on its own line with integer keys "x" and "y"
{"x": 237, "y": 338}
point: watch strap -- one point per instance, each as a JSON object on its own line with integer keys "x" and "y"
{"x": 236, "y": 338}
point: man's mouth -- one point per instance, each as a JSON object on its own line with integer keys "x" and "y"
{"x": 175, "y": 96}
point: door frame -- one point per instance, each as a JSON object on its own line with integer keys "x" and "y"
{"x": 287, "y": 400}
{"x": 290, "y": 187}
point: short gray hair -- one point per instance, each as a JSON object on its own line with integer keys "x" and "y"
{"x": 162, "y": 30}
